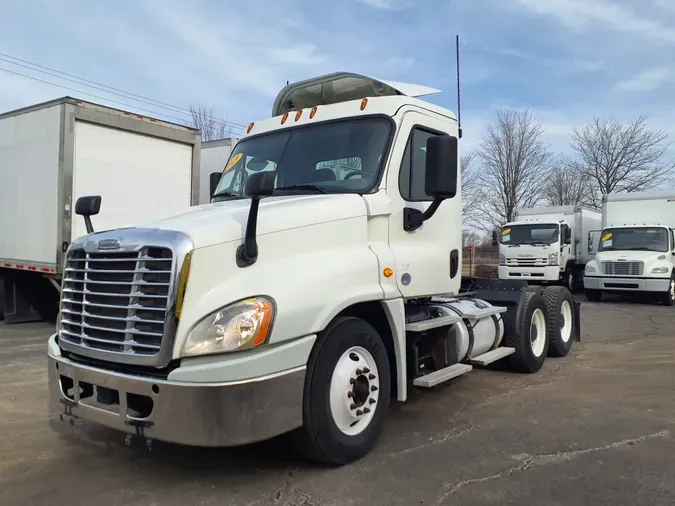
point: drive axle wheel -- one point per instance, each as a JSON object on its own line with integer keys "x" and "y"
{"x": 530, "y": 338}
{"x": 669, "y": 296}
{"x": 347, "y": 388}
{"x": 560, "y": 324}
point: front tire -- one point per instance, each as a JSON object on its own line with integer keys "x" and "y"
{"x": 669, "y": 296}
{"x": 530, "y": 338}
{"x": 593, "y": 295}
{"x": 346, "y": 396}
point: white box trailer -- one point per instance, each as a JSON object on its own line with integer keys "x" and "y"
{"x": 547, "y": 244}
{"x": 54, "y": 152}
{"x": 636, "y": 251}
{"x": 213, "y": 160}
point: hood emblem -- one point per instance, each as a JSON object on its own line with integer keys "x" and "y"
{"x": 108, "y": 244}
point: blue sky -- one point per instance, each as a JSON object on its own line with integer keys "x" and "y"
{"x": 566, "y": 60}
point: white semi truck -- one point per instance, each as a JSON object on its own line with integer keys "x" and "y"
{"x": 303, "y": 298}
{"x": 53, "y": 153}
{"x": 214, "y": 157}
{"x": 547, "y": 244}
{"x": 636, "y": 251}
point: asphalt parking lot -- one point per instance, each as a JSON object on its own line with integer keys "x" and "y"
{"x": 593, "y": 428}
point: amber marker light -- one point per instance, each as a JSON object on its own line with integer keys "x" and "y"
{"x": 388, "y": 272}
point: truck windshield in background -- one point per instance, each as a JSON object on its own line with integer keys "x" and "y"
{"x": 530, "y": 234}
{"x": 634, "y": 239}
{"x": 333, "y": 157}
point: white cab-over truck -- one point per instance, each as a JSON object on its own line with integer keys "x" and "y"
{"x": 547, "y": 245}
{"x": 636, "y": 250}
{"x": 55, "y": 152}
{"x": 302, "y": 298}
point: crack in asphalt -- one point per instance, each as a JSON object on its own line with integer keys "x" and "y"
{"x": 532, "y": 461}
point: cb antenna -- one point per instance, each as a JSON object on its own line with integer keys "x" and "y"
{"x": 459, "y": 103}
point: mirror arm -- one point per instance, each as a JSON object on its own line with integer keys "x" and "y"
{"x": 414, "y": 218}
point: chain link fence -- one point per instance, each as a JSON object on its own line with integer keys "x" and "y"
{"x": 480, "y": 261}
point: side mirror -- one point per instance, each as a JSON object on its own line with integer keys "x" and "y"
{"x": 442, "y": 166}
{"x": 256, "y": 186}
{"x": 260, "y": 184}
{"x": 87, "y": 207}
{"x": 440, "y": 178}
{"x": 568, "y": 234}
{"x": 214, "y": 179}
{"x": 495, "y": 238}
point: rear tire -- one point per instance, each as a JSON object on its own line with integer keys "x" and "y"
{"x": 560, "y": 323}
{"x": 347, "y": 389}
{"x": 568, "y": 280}
{"x": 669, "y": 297}
{"x": 530, "y": 338}
{"x": 593, "y": 295}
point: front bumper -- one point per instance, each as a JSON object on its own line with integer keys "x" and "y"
{"x": 627, "y": 284}
{"x": 539, "y": 273}
{"x": 206, "y": 414}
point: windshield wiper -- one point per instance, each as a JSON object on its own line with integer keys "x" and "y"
{"x": 312, "y": 187}
{"x": 226, "y": 194}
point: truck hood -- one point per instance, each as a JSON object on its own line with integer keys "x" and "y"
{"x": 647, "y": 257}
{"x": 222, "y": 222}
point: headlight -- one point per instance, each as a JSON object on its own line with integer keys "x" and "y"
{"x": 239, "y": 326}
{"x": 660, "y": 270}
{"x": 590, "y": 268}
{"x": 502, "y": 259}
{"x": 553, "y": 259}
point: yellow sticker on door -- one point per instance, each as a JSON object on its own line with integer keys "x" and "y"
{"x": 506, "y": 231}
{"x": 606, "y": 237}
{"x": 233, "y": 162}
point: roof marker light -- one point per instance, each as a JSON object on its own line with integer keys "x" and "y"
{"x": 250, "y": 127}
{"x": 313, "y": 112}
{"x": 298, "y": 114}
{"x": 284, "y": 118}
{"x": 364, "y": 103}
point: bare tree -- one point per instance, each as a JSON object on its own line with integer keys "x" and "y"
{"x": 515, "y": 162}
{"x": 566, "y": 186}
{"x": 470, "y": 188}
{"x": 211, "y": 128}
{"x": 620, "y": 157}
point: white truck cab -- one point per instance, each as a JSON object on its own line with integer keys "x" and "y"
{"x": 322, "y": 280}
{"x": 636, "y": 251}
{"x": 547, "y": 244}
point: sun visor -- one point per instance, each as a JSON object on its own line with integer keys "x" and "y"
{"x": 341, "y": 87}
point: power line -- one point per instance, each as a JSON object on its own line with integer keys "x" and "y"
{"x": 180, "y": 120}
{"x": 105, "y": 88}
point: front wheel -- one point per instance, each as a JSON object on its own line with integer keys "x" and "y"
{"x": 346, "y": 395}
{"x": 568, "y": 280}
{"x": 669, "y": 296}
{"x": 593, "y": 295}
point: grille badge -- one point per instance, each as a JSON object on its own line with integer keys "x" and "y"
{"x": 108, "y": 244}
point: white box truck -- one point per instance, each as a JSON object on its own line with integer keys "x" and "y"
{"x": 214, "y": 157}
{"x": 636, "y": 251}
{"x": 547, "y": 244}
{"x": 54, "y": 152}
{"x": 302, "y": 298}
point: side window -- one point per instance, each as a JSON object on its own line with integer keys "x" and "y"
{"x": 672, "y": 240}
{"x": 411, "y": 175}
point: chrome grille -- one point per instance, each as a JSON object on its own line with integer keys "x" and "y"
{"x": 613, "y": 268}
{"x": 116, "y": 301}
{"x": 526, "y": 262}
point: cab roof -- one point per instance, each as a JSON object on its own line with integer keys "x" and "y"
{"x": 341, "y": 87}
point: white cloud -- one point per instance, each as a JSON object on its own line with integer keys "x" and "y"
{"x": 580, "y": 13}
{"x": 646, "y": 81}
{"x": 385, "y": 4}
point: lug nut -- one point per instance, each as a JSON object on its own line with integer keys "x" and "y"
{"x": 366, "y": 410}
{"x": 373, "y": 388}
{"x": 371, "y": 401}
{"x": 350, "y": 394}
{"x": 359, "y": 412}
{"x": 352, "y": 407}
{"x": 371, "y": 376}
{"x": 359, "y": 372}
{"x": 352, "y": 380}
{"x": 366, "y": 370}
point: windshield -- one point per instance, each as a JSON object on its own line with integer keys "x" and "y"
{"x": 336, "y": 157}
{"x": 530, "y": 234}
{"x": 634, "y": 239}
